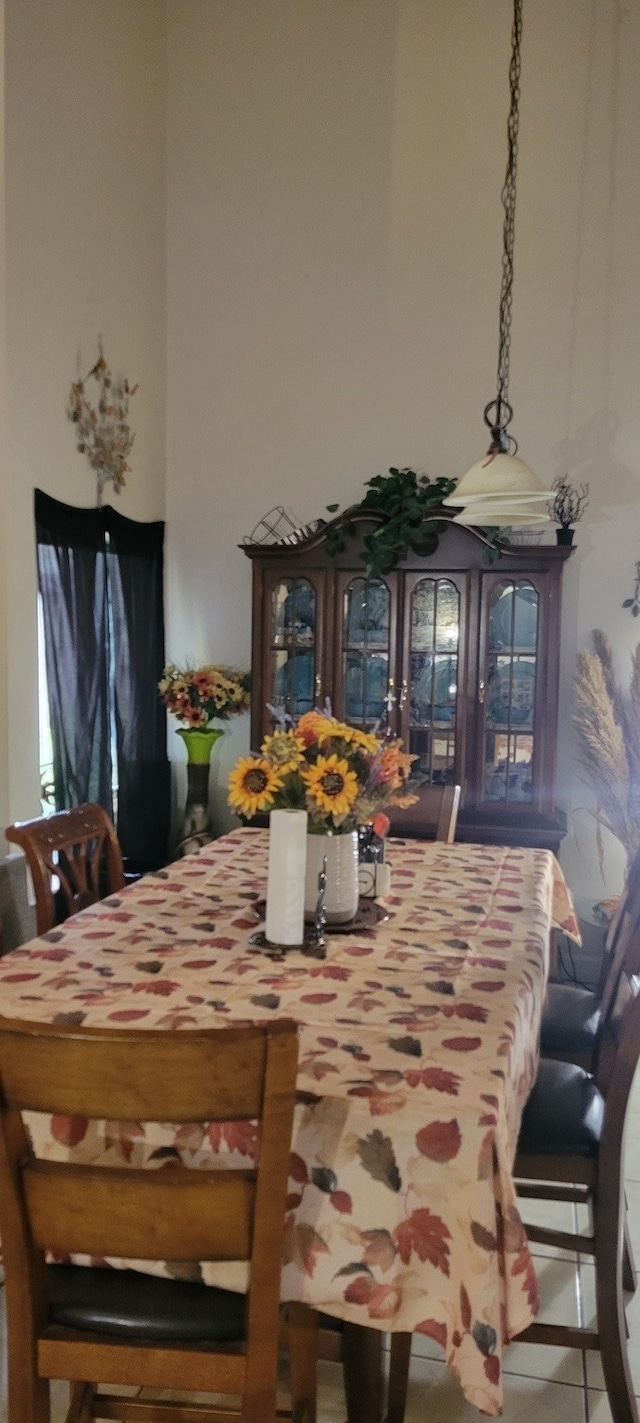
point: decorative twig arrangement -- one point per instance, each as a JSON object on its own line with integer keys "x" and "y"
{"x": 569, "y": 503}
{"x": 103, "y": 431}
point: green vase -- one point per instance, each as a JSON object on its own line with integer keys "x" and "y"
{"x": 196, "y": 829}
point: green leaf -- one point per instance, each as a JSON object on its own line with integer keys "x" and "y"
{"x": 332, "y": 508}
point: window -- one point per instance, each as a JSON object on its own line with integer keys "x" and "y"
{"x": 100, "y": 580}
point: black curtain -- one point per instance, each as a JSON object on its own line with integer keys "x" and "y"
{"x": 101, "y": 580}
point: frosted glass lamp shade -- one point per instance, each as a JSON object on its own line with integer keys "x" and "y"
{"x": 472, "y": 499}
{"x": 498, "y": 474}
{"x": 500, "y": 514}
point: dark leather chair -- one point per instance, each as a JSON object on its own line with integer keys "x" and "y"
{"x": 572, "y": 1016}
{"x": 433, "y": 817}
{"x": 74, "y": 858}
{"x": 571, "y": 1148}
{"x": 118, "y": 1326}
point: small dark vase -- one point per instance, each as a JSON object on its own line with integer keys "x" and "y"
{"x": 196, "y": 829}
{"x": 564, "y": 535}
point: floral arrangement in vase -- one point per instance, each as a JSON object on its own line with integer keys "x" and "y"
{"x": 199, "y": 695}
{"x": 342, "y": 776}
{"x": 103, "y": 431}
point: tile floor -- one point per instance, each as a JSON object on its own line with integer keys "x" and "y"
{"x": 542, "y": 1384}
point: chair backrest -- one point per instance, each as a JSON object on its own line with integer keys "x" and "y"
{"x": 616, "y": 1063}
{"x": 622, "y": 982}
{"x": 618, "y": 937}
{"x": 433, "y": 817}
{"x": 74, "y": 858}
{"x": 244, "y": 1074}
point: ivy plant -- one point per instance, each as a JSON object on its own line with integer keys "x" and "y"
{"x": 407, "y": 501}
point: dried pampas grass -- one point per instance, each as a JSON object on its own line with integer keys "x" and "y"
{"x": 607, "y": 721}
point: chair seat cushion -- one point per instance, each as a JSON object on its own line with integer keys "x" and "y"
{"x": 570, "y": 1021}
{"x": 125, "y": 1302}
{"x": 563, "y": 1116}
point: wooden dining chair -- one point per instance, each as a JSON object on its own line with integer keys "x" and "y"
{"x": 74, "y": 858}
{"x": 433, "y": 817}
{"x": 572, "y": 1017}
{"x": 90, "y": 1324}
{"x": 571, "y": 1148}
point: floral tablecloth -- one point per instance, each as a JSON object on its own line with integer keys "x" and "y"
{"x": 418, "y": 1050}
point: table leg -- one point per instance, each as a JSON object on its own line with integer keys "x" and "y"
{"x": 363, "y": 1375}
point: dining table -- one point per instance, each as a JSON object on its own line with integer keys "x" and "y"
{"x": 418, "y": 1049}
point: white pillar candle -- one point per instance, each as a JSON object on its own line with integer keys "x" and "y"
{"x": 285, "y": 883}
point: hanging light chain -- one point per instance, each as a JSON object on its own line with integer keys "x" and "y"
{"x": 498, "y": 489}
{"x": 501, "y": 408}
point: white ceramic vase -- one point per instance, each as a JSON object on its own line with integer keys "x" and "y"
{"x": 341, "y": 897}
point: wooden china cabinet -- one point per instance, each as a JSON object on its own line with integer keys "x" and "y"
{"x": 459, "y": 655}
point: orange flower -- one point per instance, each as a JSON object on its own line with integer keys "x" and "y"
{"x": 393, "y": 766}
{"x": 310, "y": 725}
{"x": 193, "y": 715}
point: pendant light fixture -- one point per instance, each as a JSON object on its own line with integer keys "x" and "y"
{"x": 500, "y": 490}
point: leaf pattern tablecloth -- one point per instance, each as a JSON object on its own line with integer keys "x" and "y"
{"x": 418, "y": 1048}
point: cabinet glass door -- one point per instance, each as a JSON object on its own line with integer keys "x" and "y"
{"x": 434, "y": 651}
{"x": 510, "y": 691}
{"x": 291, "y": 681}
{"x": 366, "y": 651}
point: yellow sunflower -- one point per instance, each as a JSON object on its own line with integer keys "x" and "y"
{"x": 253, "y": 783}
{"x": 331, "y": 785}
{"x": 284, "y": 749}
{"x": 364, "y": 740}
{"x": 340, "y": 730}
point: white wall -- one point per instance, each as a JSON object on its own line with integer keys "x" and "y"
{"x": 332, "y": 269}
{"x": 334, "y": 239}
{"x": 85, "y": 194}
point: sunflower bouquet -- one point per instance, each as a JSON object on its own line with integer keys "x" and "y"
{"x": 199, "y": 695}
{"x": 341, "y": 776}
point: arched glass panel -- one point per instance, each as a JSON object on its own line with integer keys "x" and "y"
{"x": 365, "y": 650}
{"x": 433, "y": 691}
{"x": 293, "y": 646}
{"x": 510, "y": 691}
